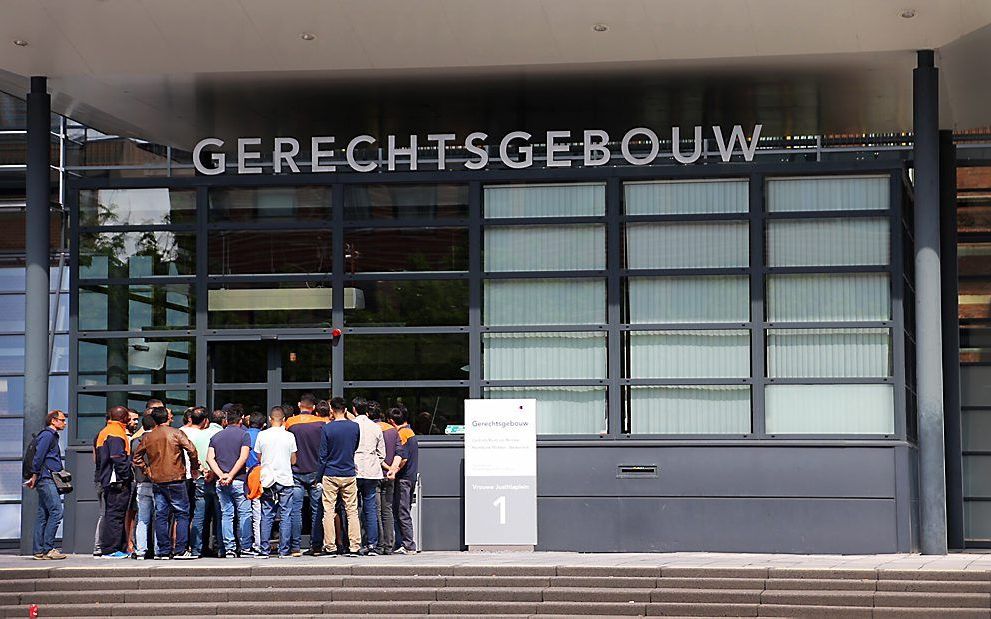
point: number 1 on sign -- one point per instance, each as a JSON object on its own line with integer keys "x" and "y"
{"x": 501, "y": 504}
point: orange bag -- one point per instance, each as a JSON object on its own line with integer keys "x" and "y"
{"x": 255, "y": 483}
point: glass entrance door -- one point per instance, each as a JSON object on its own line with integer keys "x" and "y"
{"x": 261, "y": 373}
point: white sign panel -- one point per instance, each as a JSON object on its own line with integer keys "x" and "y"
{"x": 501, "y": 472}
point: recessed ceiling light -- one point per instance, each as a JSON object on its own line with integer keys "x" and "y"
{"x": 307, "y": 36}
{"x": 908, "y": 13}
{"x": 20, "y": 42}
{"x": 600, "y": 27}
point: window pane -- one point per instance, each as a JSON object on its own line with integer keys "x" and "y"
{"x": 690, "y": 409}
{"x": 975, "y": 385}
{"x": 545, "y": 248}
{"x": 12, "y": 312}
{"x": 380, "y": 250}
{"x": 136, "y": 307}
{"x": 830, "y": 409}
{"x": 977, "y": 475}
{"x": 270, "y": 204}
{"x": 827, "y": 242}
{"x": 58, "y": 392}
{"x": 686, "y": 197}
{"x": 136, "y": 254}
{"x": 809, "y": 298}
{"x": 60, "y": 354}
{"x": 431, "y": 409}
{"x": 688, "y": 299}
{"x": 976, "y": 429}
{"x": 237, "y": 252}
{"x": 828, "y": 353}
{"x": 62, "y": 315}
{"x": 305, "y": 362}
{"x": 689, "y": 354}
{"x": 561, "y": 410}
{"x": 10, "y": 521}
{"x": 286, "y": 304}
{"x": 136, "y": 207}
{"x": 405, "y": 202}
{"x": 10, "y": 480}
{"x": 251, "y": 399}
{"x": 92, "y": 407}
{"x": 12, "y": 395}
{"x": 136, "y": 361}
{"x": 545, "y": 200}
{"x": 837, "y": 193}
{"x": 406, "y": 357}
{"x": 412, "y": 303}
{"x": 239, "y": 362}
{"x": 11, "y": 353}
{"x": 521, "y": 302}
{"x": 523, "y": 356}
{"x": 687, "y": 245}
{"x": 11, "y": 435}
{"x": 974, "y": 296}
{"x": 977, "y": 519}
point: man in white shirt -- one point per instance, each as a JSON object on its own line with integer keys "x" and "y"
{"x": 276, "y": 449}
{"x": 368, "y": 461}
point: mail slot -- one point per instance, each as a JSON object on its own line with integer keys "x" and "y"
{"x": 636, "y": 470}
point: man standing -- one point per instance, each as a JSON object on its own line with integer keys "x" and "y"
{"x": 386, "y": 491}
{"x": 113, "y": 469}
{"x": 162, "y": 456}
{"x": 337, "y": 447}
{"x": 226, "y": 456}
{"x": 405, "y": 476}
{"x": 276, "y": 450}
{"x": 254, "y": 421}
{"x": 205, "y": 511}
{"x": 144, "y": 494}
{"x": 307, "y": 428}
{"x": 368, "y": 461}
{"x": 47, "y": 458}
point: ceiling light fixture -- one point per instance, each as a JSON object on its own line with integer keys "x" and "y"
{"x": 20, "y": 42}
{"x": 908, "y": 13}
{"x": 600, "y": 27}
{"x": 307, "y": 36}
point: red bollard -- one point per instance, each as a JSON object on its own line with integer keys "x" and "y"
{"x": 33, "y": 611}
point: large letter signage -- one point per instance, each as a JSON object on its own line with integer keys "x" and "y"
{"x": 500, "y": 473}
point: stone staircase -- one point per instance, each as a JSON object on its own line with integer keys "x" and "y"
{"x": 385, "y": 586}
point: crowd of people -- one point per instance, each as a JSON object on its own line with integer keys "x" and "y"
{"x": 226, "y": 482}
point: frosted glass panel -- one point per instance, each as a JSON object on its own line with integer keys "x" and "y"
{"x": 690, "y": 354}
{"x": 806, "y": 298}
{"x": 701, "y": 409}
{"x": 975, "y": 385}
{"x": 686, "y": 197}
{"x": 828, "y": 353}
{"x": 977, "y": 520}
{"x": 976, "y": 429}
{"x": 545, "y": 248}
{"x": 545, "y": 200}
{"x": 830, "y": 409}
{"x": 688, "y": 299}
{"x": 836, "y": 193}
{"x": 561, "y": 410}
{"x": 544, "y": 302}
{"x": 828, "y": 242}
{"x": 523, "y": 356}
{"x": 977, "y": 476}
{"x": 687, "y": 245}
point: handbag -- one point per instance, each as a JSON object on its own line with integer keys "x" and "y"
{"x": 63, "y": 481}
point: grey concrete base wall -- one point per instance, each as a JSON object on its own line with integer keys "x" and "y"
{"x": 793, "y": 498}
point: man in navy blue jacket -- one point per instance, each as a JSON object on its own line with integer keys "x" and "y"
{"x": 340, "y": 441}
{"x": 47, "y": 458}
{"x": 113, "y": 469}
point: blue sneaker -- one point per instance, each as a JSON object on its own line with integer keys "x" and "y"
{"x": 117, "y": 555}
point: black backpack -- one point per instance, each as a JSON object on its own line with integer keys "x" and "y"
{"x": 27, "y": 462}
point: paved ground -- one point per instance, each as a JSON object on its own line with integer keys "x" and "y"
{"x": 954, "y": 561}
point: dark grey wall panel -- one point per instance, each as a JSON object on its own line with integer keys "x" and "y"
{"x": 443, "y": 524}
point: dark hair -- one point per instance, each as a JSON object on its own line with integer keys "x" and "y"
{"x": 308, "y": 399}
{"x": 397, "y": 415}
{"x": 187, "y": 415}
{"x": 52, "y": 415}
{"x": 152, "y": 403}
{"x": 338, "y": 405}
{"x": 159, "y": 414}
{"x": 256, "y": 419}
{"x": 374, "y": 410}
{"x": 288, "y": 409}
{"x": 234, "y": 415}
{"x": 218, "y": 417}
{"x": 198, "y": 415}
{"x": 323, "y": 409}
{"x": 148, "y": 422}
{"x": 118, "y": 413}
{"x": 360, "y": 405}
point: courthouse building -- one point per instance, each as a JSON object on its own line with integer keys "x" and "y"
{"x": 739, "y": 252}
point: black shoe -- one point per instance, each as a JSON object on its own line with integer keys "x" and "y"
{"x": 361, "y": 552}
{"x": 352, "y": 554}
{"x": 373, "y": 551}
{"x": 313, "y": 552}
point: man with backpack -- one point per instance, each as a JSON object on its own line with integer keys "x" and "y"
{"x": 42, "y": 458}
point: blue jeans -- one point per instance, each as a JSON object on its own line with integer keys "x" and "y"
{"x": 368, "y": 493}
{"x": 49, "y": 515}
{"x": 171, "y": 500}
{"x": 146, "y": 508}
{"x": 307, "y": 484}
{"x": 233, "y": 498}
{"x": 281, "y": 496}
{"x": 205, "y": 496}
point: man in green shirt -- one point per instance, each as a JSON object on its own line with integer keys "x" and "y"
{"x": 205, "y": 486}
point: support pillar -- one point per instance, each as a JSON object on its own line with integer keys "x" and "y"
{"x": 36, "y": 325}
{"x": 928, "y": 307}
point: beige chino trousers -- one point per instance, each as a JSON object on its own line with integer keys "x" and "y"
{"x": 347, "y": 488}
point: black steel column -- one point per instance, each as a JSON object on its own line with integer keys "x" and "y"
{"x": 36, "y": 353}
{"x": 928, "y": 308}
{"x": 951, "y": 338}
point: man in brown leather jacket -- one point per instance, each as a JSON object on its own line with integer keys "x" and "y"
{"x": 162, "y": 457}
